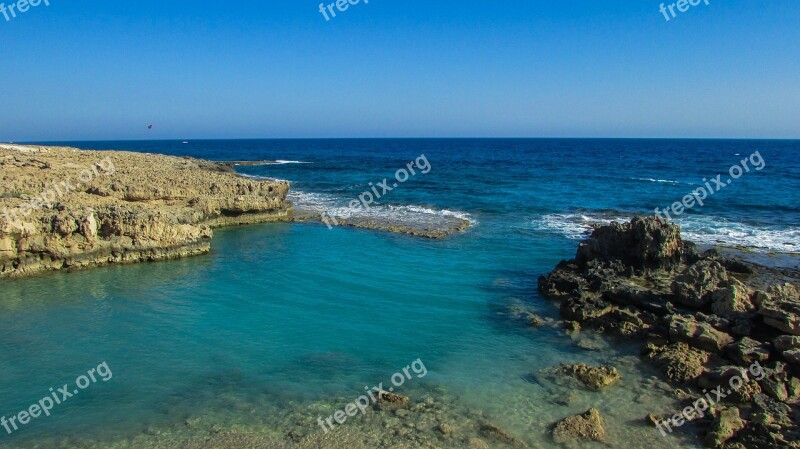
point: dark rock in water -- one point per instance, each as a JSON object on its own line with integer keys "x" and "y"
{"x": 392, "y": 398}
{"x": 704, "y": 320}
{"x": 644, "y": 243}
{"x": 491, "y": 431}
{"x": 589, "y": 426}
{"x": 596, "y": 378}
{"x": 585, "y": 309}
{"x": 563, "y": 283}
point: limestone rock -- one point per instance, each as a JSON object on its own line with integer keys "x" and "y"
{"x": 696, "y": 284}
{"x": 726, "y": 424}
{"x": 747, "y": 351}
{"x": 680, "y": 362}
{"x": 698, "y": 334}
{"x": 589, "y": 426}
{"x": 92, "y": 208}
{"x": 644, "y": 242}
{"x": 490, "y": 431}
{"x": 596, "y": 378}
{"x": 792, "y": 356}
{"x": 781, "y": 308}
{"x": 732, "y": 301}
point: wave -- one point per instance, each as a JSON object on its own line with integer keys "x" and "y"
{"x": 666, "y": 181}
{"x": 699, "y": 229}
{"x": 282, "y": 162}
{"x": 339, "y": 208}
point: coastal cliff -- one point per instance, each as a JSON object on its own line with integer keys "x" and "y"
{"x": 63, "y": 208}
{"x": 704, "y": 319}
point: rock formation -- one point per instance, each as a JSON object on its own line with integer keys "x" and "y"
{"x": 65, "y": 208}
{"x": 703, "y": 320}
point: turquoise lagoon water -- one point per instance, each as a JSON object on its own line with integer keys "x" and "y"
{"x": 283, "y": 317}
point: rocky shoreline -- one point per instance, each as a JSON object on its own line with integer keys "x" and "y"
{"x": 136, "y": 207}
{"x": 703, "y": 319}
{"x": 64, "y": 208}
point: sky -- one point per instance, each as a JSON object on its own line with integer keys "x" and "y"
{"x": 105, "y": 70}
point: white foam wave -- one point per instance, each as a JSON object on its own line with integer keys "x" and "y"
{"x": 698, "y": 229}
{"x": 281, "y": 162}
{"x": 666, "y": 181}
{"x": 340, "y": 208}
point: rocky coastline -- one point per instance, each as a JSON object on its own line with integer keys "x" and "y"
{"x": 702, "y": 318}
{"x": 64, "y": 208}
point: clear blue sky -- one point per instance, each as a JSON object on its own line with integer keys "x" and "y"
{"x": 91, "y": 69}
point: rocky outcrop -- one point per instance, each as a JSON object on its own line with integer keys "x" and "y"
{"x": 701, "y": 335}
{"x": 63, "y": 208}
{"x": 589, "y": 426}
{"x": 706, "y": 321}
{"x": 596, "y": 378}
{"x": 695, "y": 286}
{"x": 780, "y": 307}
{"x": 642, "y": 243}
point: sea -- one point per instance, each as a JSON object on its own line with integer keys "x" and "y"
{"x": 285, "y": 323}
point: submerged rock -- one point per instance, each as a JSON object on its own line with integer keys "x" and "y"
{"x": 490, "y": 431}
{"x": 596, "y": 378}
{"x": 589, "y": 426}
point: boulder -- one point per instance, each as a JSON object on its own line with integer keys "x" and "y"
{"x": 596, "y": 378}
{"x": 733, "y": 301}
{"x": 726, "y": 424}
{"x": 698, "y": 334}
{"x": 490, "y": 431}
{"x": 747, "y": 351}
{"x": 585, "y": 308}
{"x": 780, "y": 308}
{"x": 680, "y": 362}
{"x": 792, "y": 356}
{"x": 768, "y": 411}
{"x": 695, "y": 286}
{"x": 589, "y": 426}
{"x": 643, "y": 243}
{"x": 786, "y": 342}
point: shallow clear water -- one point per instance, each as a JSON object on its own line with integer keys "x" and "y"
{"x": 282, "y": 316}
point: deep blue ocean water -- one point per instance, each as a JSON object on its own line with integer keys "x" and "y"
{"x": 286, "y": 313}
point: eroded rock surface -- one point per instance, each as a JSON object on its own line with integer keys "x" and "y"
{"x": 704, "y": 320}
{"x": 67, "y": 208}
{"x": 589, "y": 426}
